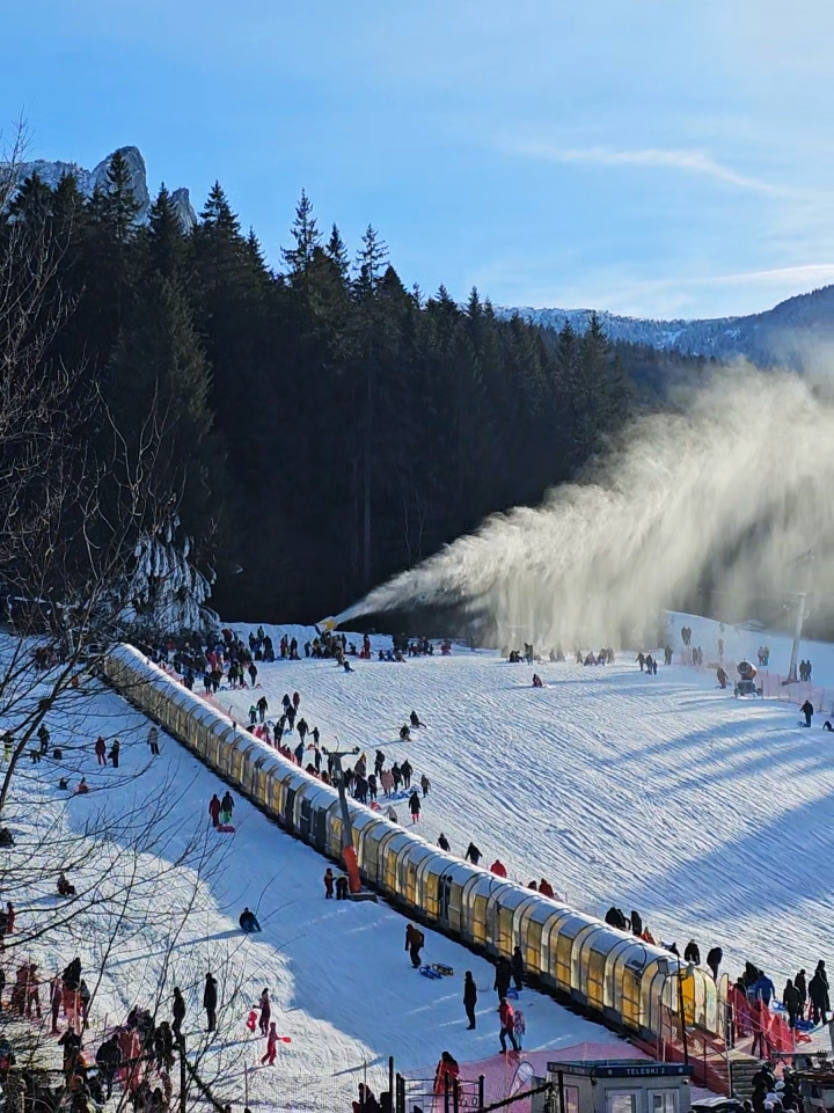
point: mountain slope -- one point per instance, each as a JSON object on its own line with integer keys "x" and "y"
{"x": 789, "y": 333}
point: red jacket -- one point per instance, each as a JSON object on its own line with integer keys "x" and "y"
{"x": 505, "y": 1012}
{"x": 498, "y": 868}
{"x": 546, "y": 889}
{"x": 214, "y": 808}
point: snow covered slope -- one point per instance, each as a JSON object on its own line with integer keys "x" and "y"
{"x": 712, "y": 816}
{"x": 341, "y": 983}
{"x": 785, "y": 334}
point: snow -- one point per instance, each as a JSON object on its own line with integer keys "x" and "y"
{"x": 341, "y": 983}
{"x": 711, "y": 815}
{"x": 714, "y": 817}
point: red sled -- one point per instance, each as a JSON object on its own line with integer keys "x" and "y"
{"x": 252, "y": 1021}
{"x": 226, "y": 828}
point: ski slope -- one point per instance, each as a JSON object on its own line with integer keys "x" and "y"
{"x": 341, "y": 983}
{"x": 712, "y": 816}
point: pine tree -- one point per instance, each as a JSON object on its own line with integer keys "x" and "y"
{"x": 305, "y": 233}
{"x": 165, "y": 236}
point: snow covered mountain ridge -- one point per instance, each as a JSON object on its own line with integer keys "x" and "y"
{"x": 87, "y": 180}
{"x": 785, "y": 334}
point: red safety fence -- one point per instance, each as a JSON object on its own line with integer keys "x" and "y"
{"x": 773, "y": 685}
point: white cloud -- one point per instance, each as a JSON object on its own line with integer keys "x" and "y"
{"x": 688, "y": 161}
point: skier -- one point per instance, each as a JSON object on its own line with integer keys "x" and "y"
{"x": 414, "y": 806}
{"x": 443, "y": 843}
{"x": 807, "y": 710}
{"x": 414, "y": 719}
{"x": 265, "y": 1005}
{"x": 214, "y": 810}
{"x": 498, "y": 868}
{"x": 472, "y": 854}
{"x": 328, "y": 883}
{"x": 101, "y": 751}
{"x": 505, "y": 1012}
{"x": 414, "y": 942}
{"x": 271, "y": 1045}
{"x": 210, "y": 1002}
{"x": 178, "y": 1011}
{"x": 470, "y": 998}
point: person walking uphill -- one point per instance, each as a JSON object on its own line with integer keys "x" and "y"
{"x": 807, "y": 710}
{"x": 470, "y": 998}
{"x": 214, "y": 810}
{"x": 414, "y": 942}
{"x": 265, "y": 1006}
{"x": 414, "y": 806}
{"x": 507, "y": 1017}
{"x": 271, "y": 1046}
{"x": 210, "y": 1002}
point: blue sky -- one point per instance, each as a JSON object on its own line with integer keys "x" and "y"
{"x": 654, "y": 157}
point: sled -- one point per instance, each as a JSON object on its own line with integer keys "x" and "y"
{"x": 442, "y": 970}
{"x": 252, "y": 1021}
{"x": 430, "y": 972}
{"x": 226, "y": 828}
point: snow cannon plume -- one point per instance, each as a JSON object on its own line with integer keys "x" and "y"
{"x": 725, "y": 490}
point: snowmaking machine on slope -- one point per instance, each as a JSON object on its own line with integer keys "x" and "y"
{"x": 746, "y": 683}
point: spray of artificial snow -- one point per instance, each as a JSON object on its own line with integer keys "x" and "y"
{"x": 737, "y": 482}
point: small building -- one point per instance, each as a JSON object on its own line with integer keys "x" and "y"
{"x": 619, "y": 1086}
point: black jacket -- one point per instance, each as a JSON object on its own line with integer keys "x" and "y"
{"x": 470, "y": 992}
{"x": 179, "y": 1007}
{"x": 210, "y": 993}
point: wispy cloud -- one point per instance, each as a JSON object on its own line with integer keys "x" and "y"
{"x": 683, "y": 159}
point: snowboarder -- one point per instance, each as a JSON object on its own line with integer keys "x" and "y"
{"x": 153, "y": 741}
{"x": 265, "y": 1006}
{"x": 505, "y": 1012}
{"x": 178, "y": 1010}
{"x": 210, "y": 1002}
{"x": 406, "y": 771}
{"x": 101, "y": 751}
{"x": 470, "y": 998}
{"x": 414, "y": 942}
{"x": 271, "y": 1045}
{"x": 114, "y": 753}
{"x": 807, "y": 710}
{"x": 443, "y": 843}
{"x": 472, "y": 854}
{"x": 414, "y": 806}
{"x": 414, "y": 719}
{"x": 328, "y": 883}
{"x": 214, "y": 810}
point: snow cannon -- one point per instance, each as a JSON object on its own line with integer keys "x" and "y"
{"x": 746, "y": 671}
{"x": 326, "y": 625}
{"x": 746, "y": 685}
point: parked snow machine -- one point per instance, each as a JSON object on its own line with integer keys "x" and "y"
{"x": 746, "y": 683}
